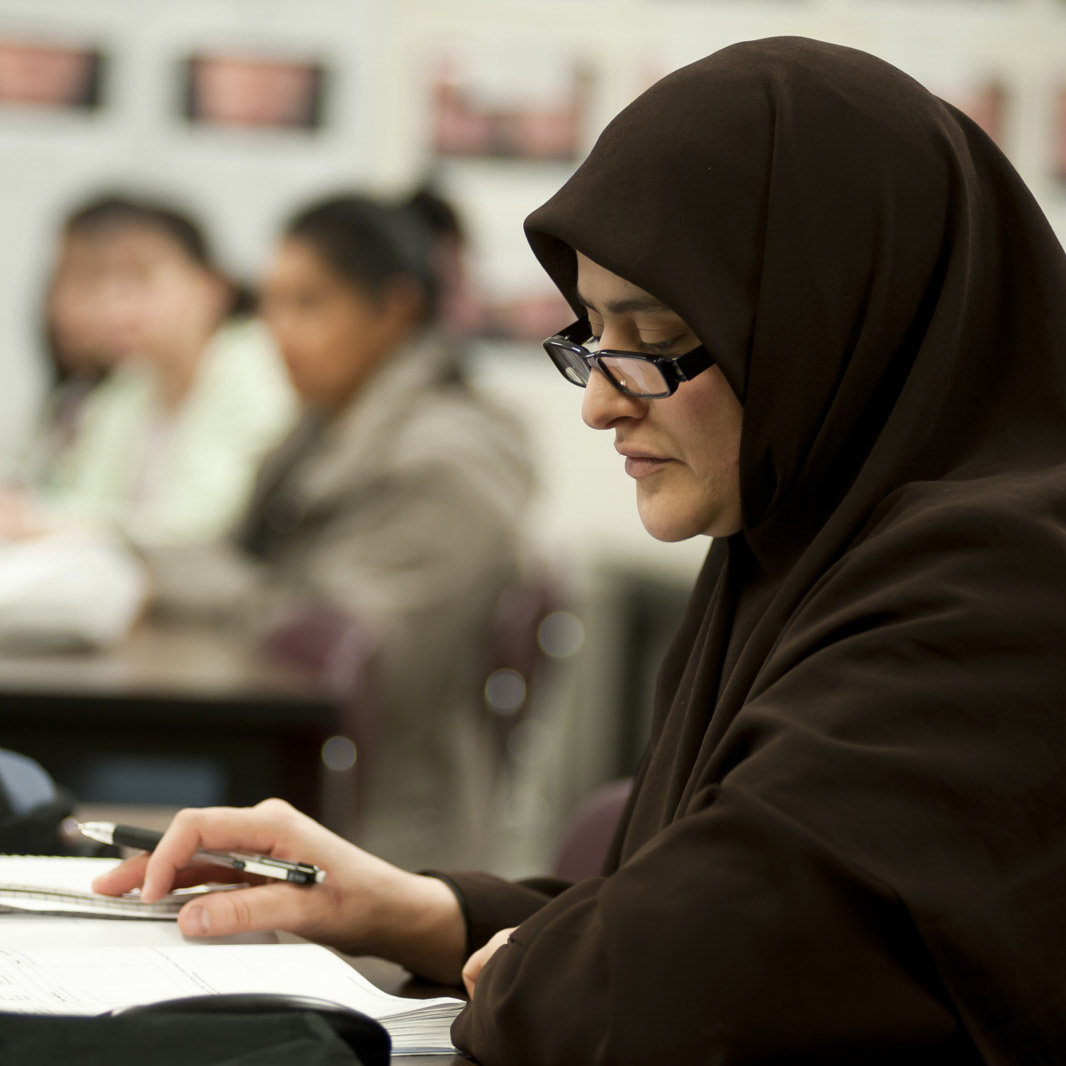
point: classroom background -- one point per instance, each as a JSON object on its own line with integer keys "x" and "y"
{"x": 243, "y": 109}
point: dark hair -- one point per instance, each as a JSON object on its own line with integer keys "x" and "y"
{"x": 369, "y": 243}
{"x": 438, "y": 214}
{"x": 121, "y": 212}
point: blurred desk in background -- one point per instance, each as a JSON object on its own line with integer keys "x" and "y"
{"x": 176, "y": 715}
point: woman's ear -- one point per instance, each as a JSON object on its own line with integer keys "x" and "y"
{"x": 220, "y": 294}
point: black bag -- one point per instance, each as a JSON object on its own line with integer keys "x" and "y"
{"x": 32, "y": 811}
{"x": 273, "y": 1031}
{"x": 32, "y": 808}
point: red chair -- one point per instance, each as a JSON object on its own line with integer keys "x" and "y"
{"x": 336, "y": 648}
{"x": 514, "y": 653}
{"x": 588, "y": 836}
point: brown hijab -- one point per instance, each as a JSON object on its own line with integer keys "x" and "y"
{"x": 845, "y": 842}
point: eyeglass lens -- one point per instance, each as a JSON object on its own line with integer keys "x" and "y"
{"x": 636, "y": 375}
{"x": 633, "y": 375}
{"x": 573, "y": 366}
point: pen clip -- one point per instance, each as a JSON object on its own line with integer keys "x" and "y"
{"x": 281, "y": 864}
{"x": 282, "y": 869}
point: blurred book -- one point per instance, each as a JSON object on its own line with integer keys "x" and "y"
{"x": 72, "y": 589}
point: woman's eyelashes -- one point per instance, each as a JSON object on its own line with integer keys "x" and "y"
{"x": 660, "y": 347}
{"x": 638, "y": 344}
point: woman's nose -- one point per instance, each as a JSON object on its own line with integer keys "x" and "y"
{"x": 603, "y": 404}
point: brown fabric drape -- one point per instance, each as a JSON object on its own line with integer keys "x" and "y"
{"x": 846, "y": 841}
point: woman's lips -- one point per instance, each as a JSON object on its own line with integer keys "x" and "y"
{"x": 638, "y": 466}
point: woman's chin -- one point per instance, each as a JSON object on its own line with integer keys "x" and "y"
{"x": 667, "y": 527}
{"x": 672, "y": 524}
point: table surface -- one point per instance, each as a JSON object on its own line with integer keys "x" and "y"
{"x": 156, "y": 660}
{"x": 188, "y": 694}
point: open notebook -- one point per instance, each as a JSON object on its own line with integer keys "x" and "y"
{"x": 60, "y": 885}
{"x": 46, "y": 975}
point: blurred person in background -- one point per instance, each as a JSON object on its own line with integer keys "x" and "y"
{"x": 166, "y": 448}
{"x": 459, "y": 309}
{"x": 79, "y": 348}
{"x": 396, "y": 503}
{"x": 79, "y": 344}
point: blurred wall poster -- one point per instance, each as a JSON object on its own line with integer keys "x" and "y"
{"x": 508, "y": 103}
{"x": 985, "y": 100}
{"x": 259, "y": 91}
{"x": 49, "y": 75}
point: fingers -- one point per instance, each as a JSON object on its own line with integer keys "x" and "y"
{"x": 363, "y": 901}
{"x": 476, "y": 963}
{"x": 270, "y": 828}
{"x": 129, "y": 875}
{"x": 272, "y": 906}
{"x": 122, "y": 878}
{"x": 266, "y": 829}
{"x": 472, "y": 970}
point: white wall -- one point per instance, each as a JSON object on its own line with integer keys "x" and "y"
{"x": 376, "y": 133}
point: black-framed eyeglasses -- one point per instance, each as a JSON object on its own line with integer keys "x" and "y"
{"x": 652, "y": 377}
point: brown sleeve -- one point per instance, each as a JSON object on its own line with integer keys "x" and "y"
{"x": 490, "y": 904}
{"x": 733, "y": 936}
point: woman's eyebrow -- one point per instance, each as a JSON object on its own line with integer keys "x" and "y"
{"x": 626, "y": 305}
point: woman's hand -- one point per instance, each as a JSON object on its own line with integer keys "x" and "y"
{"x": 476, "y": 963}
{"x": 364, "y": 905}
{"x": 19, "y": 518}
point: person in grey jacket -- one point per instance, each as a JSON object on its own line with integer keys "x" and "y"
{"x": 395, "y": 505}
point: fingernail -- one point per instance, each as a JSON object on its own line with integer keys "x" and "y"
{"x": 197, "y": 922}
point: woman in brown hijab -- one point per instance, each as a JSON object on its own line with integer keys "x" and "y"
{"x": 844, "y": 840}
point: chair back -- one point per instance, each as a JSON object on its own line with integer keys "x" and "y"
{"x": 515, "y": 654}
{"x": 336, "y": 648}
{"x": 588, "y": 836}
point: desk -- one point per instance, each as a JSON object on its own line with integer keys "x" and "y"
{"x": 175, "y": 691}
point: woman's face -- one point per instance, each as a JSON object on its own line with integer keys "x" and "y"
{"x": 81, "y": 332}
{"x": 331, "y": 333}
{"x": 157, "y": 302}
{"x": 683, "y": 451}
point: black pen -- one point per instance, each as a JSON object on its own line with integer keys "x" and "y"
{"x": 300, "y": 873}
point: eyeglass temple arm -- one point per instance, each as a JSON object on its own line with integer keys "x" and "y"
{"x": 577, "y": 332}
{"x": 692, "y": 363}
